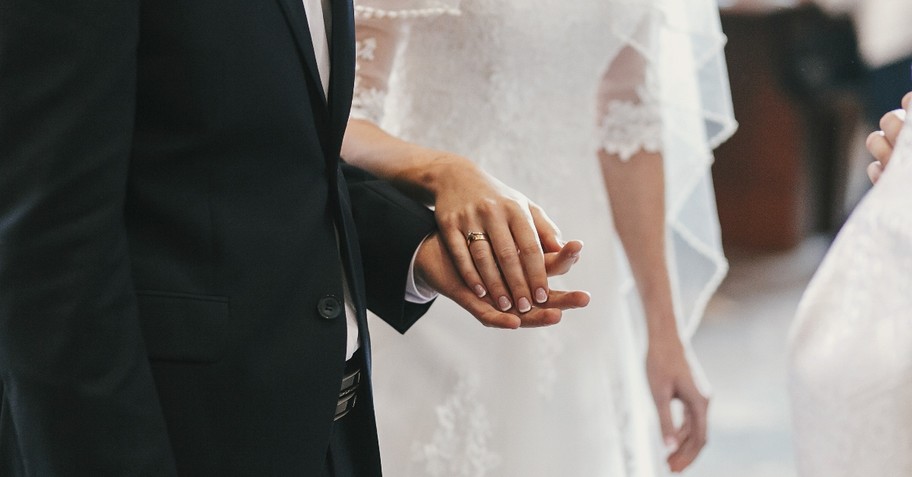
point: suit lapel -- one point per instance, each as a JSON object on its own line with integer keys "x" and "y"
{"x": 341, "y": 86}
{"x": 297, "y": 21}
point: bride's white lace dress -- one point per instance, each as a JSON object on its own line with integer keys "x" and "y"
{"x": 851, "y": 343}
{"x": 531, "y": 89}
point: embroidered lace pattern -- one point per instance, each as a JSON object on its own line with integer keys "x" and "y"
{"x": 631, "y": 127}
{"x": 367, "y": 101}
{"x": 459, "y": 446}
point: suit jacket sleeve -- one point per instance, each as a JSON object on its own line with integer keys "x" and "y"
{"x": 390, "y": 229}
{"x": 77, "y": 391}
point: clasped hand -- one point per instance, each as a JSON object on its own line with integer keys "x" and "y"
{"x": 503, "y": 279}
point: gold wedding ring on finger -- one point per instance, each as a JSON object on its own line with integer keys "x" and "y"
{"x": 476, "y": 237}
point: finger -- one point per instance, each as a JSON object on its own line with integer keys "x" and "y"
{"x": 483, "y": 310}
{"x": 684, "y": 430}
{"x": 686, "y": 454}
{"x": 551, "y": 312}
{"x": 548, "y": 233}
{"x": 560, "y": 262}
{"x": 666, "y": 422}
{"x": 695, "y": 405}
{"x": 907, "y": 100}
{"x": 875, "y": 170}
{"x": 486, "y": 264}
{"x": 508, "y": 259}
{"x": 462, "y": 259}
{"x": 531, "y": 257}
{"x": 879, "y": 146}
{"x": 567, "y": 300}
{"x": 892, "y": 123}
{"x": 539, "y": 317}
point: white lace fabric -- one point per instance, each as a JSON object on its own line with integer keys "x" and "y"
{"x": 850, "y": 353}
{"x": 532, "y": 90}
{"x": 405, "y": 9}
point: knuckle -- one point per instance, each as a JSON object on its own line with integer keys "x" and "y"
{"x": 514, "y": 207}
{"x": 507, "y": 255}
{"x": 447, "y": 220}
{"x": 487, "y": 208}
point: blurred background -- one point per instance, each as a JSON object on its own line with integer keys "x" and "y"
{"x": 809, "y": 80}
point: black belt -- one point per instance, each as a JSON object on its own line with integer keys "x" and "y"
{"x": 348, "y": 395}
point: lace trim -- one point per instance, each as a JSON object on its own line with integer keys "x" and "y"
{"x": 629, "y": 127}
{"x": 367, "y": 103}
{"x": 362, "y": 12}
{"x": 459, "y": 446}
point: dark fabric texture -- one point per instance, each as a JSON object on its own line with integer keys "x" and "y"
{"x": 170, "y": 198}
{"x": 885, "y": 87}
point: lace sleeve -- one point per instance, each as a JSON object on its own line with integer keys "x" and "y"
{"x": 629, "y": 116}
{"x": 666, "y": 90}
{"x": 671, "y": 62}
{"x": 375, "y": 49}
{"x": 405, "y": 8}
{"x": 380, "y": 27}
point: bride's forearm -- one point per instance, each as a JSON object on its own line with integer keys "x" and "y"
{"x": 636, "y": 188}
{"x": 416, "y": 170}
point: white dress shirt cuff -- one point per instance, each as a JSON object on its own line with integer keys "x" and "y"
{"x": 416, "y": 290}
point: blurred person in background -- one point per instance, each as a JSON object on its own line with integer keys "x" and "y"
{"x": 850, "y": 359}
{"x": 885, "y": 44}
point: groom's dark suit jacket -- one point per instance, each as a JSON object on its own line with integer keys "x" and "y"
{"x": 170, "y": 275}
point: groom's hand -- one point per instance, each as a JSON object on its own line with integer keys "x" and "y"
{"x": 434, "y": 266}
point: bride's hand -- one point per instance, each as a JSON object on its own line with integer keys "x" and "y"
{"x": 670, "y": 378}
{"x": 434, "y": 267}
{"x": 880, "y": 143}
{"x": 507, "y": 263}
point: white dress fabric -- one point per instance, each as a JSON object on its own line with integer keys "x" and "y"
{"x": 531, "y": 90}
{"x": 851, "y": 343}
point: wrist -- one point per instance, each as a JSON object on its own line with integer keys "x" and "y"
{"x": 661, "y": 324}
{"x": 428, "y": 173}
{"x": 439, "y": 170}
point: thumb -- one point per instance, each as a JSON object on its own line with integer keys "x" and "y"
{"x": 548, "y": 233}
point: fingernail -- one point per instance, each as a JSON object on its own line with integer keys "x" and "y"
{"x": 671, "y": 444}
{"x": 480, "y": 291}
{"x": 504, "y": 303}
{"x": 524, "y": 305}
{"x": 541, "y": 295}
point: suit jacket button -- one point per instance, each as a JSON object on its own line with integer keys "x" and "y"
{"x": 329, "y": 307}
